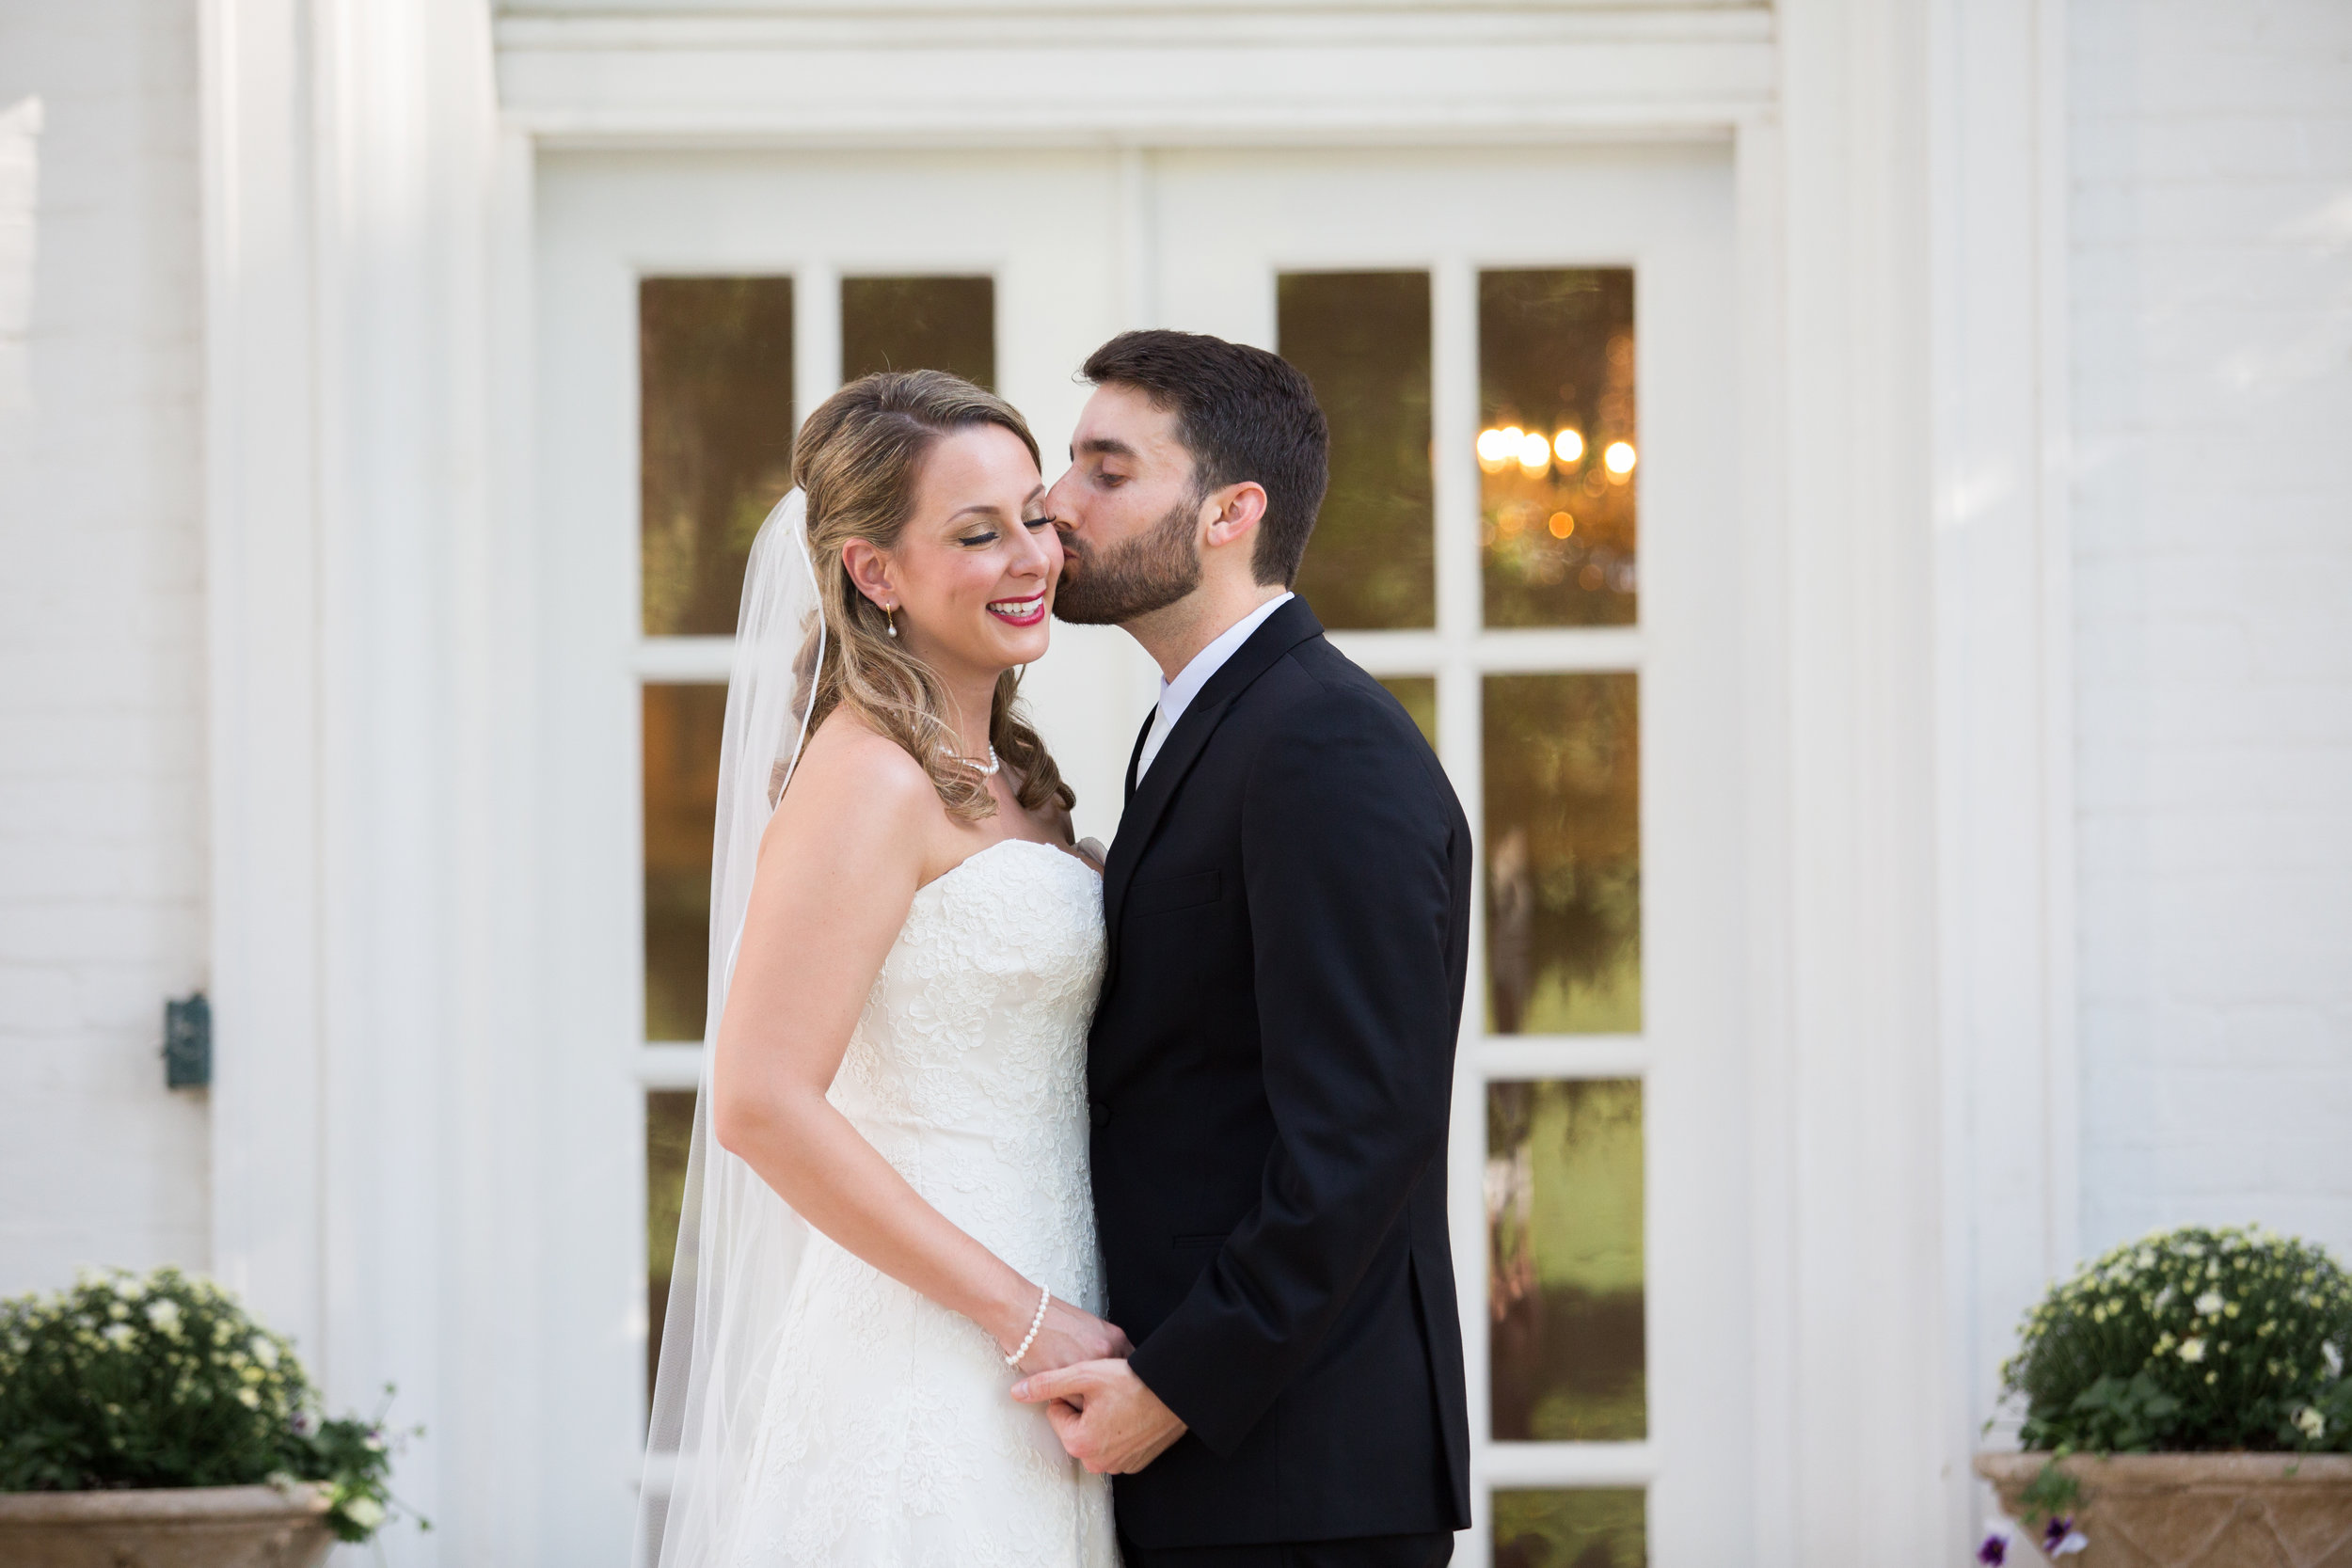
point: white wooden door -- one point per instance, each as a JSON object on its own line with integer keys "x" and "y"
{"x": 1526, "y": 357}
{"x": 692, "y": 311}
{"x": 1560, "y": 620}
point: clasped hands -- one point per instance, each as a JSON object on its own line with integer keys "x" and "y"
{"x": 1104, "y": 1415}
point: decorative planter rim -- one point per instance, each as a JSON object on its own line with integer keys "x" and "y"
{"x": 2235, "y": 1467}
{"x": 301, "y": 1500}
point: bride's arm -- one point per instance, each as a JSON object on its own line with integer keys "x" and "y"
{"x": 838, "y": 868}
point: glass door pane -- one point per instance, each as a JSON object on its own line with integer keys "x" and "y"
{"x": 681, "y": 729}
{"x": 1564, "y": 854}
{"x": 926, "y": 324}
{"x": 1556, "y": 452}
{"x": 1363, "y": 340}
{"x": 1556, "y": 1528}
{"x": 669, "y": 1134}
{"x": 1564, "y": 1227}
{"x": 714, "y": 362}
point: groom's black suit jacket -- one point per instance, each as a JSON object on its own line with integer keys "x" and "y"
{"x": 1271, "y": 1070}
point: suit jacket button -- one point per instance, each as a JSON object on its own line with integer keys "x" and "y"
{"x": 1098, "y": 1112}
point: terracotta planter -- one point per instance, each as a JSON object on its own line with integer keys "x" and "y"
{"x": 2198, "y": 1509}
{"x": 195, "y": 1526}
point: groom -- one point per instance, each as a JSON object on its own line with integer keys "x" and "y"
{"x": 1272, "y": 1060}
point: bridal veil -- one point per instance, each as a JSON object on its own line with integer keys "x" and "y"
{"x": 739, "y": 1245}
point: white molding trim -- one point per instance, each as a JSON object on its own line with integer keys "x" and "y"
{"x": 1550, "y": 1465}
{"x": 1017, "y": 76}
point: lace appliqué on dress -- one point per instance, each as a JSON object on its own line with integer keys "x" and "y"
{"x": 891, "y": 1438}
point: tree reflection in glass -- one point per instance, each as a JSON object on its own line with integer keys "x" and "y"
{"x": 1557, "y": 449}
{"x": 919, "y": 323}
{"x": 1564, "y": 1260}
{"x": 1362, "y": 339}
{"x": 715, "y": 426}
{"x": 1565, "y": 1527}
{"x": 1564, "y": 854}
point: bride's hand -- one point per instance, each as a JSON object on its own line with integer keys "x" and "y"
{"x": 1068, "y": 1336}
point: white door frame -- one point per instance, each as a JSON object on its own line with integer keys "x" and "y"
{"x": 367, "y": 177}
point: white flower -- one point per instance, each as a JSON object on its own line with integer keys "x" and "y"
{"x": 263, "y": 1352}
{"x": 366, "y": 1513}
{"x": 250, "y": 1400}
{"x": 164, "y": 1315}
{"x": 116, "y": 1334}
{"x": 2333, "y": 1356}
{"x": 2311, "y": 1424}
{"x": 2193, "y": 1348}
{"x": 2210, "y": 1303}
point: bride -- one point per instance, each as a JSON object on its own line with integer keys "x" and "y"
{"x": 888, "y": 1218}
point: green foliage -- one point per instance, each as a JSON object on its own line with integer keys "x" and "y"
{"x": 2191, "y": 1341}
{"x": 2052, "y": 1491}
{"x": 163, "y": 1381}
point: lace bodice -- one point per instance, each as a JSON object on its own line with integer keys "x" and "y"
{"x": 967, "y": 1069}
{"x": 891, "y": 1438}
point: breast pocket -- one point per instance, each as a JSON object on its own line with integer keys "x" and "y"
{"x": 1168, "y": 894}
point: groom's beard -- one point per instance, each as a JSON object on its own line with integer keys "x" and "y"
{"x": 1149, "y": 572}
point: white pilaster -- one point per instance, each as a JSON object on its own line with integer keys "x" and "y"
{"x": 1865, "y": 1433}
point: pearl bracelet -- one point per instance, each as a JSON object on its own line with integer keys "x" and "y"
{"x": 1044, "y": 1297}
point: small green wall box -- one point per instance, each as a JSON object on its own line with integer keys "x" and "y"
{"x": 188, "y": 1043}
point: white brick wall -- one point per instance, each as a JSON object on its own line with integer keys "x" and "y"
{"x": 102, "y": 764}
{"x": 2212, "y": 344}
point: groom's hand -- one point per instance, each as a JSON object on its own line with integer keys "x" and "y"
{"x": 1104, "y": 1415}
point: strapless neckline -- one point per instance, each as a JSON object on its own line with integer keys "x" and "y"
{"x": 1054, "y": 849}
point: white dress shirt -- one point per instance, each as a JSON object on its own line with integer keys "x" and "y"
{"x": 1177, "y": 695}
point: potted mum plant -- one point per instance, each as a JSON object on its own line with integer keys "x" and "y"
{"x": 151, "y": 1423}
{"x": 2185, "y": 1403}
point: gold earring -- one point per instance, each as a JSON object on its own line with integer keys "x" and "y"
{"x": 890, "y": 619}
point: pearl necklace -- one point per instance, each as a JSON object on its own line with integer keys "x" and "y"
{"x": 973, "y": 763}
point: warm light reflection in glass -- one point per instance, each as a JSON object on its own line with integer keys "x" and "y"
{"x": 1556, "y": 394}
{"x": 1497, "y": 449}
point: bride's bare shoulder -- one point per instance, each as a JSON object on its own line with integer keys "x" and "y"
{"x": 853, "y": 779}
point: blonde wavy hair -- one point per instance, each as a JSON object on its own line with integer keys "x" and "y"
{"x": 856, "y": 462}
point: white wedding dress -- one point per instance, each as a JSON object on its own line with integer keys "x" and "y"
{"x": 890, "y": 1438}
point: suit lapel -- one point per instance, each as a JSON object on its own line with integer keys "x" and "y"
{"x": 1148, "y": 799}
{"x": 1135, "y": 757}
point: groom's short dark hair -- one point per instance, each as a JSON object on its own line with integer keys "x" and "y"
{"x": 1244, "y": 414}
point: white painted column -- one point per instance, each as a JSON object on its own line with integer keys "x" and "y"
{"x": 262, "y": 523}
{"x": 1855, "y": 1248}
{"x": 369, "y": 632}
{"x": 2004, "y": 737}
